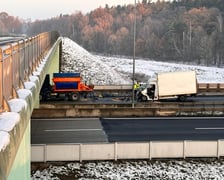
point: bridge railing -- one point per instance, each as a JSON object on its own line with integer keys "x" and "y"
{"x": 18, "y": 61}
{"x": 1, "y": 81}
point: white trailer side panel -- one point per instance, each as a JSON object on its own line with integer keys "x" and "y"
{"x": 177, "y": 83}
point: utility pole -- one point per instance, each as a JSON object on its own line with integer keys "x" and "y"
{"x": 190, "y": 33}
{"x": 133, "y": 73}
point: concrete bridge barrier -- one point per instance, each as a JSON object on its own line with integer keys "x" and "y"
{"x": 127, "y": 150}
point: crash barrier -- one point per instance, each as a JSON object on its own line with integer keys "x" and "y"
{"x": 211, "y": 87}
{"x": 18, "y": 61}
{"x": 130, "y": 150}
{"x": 106, "y": 111}
{"x": 202, "y": 87}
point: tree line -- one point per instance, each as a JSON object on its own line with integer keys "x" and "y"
{"x": 182, "y": 30}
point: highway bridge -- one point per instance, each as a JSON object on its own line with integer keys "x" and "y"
{"x": 24, "y": 64}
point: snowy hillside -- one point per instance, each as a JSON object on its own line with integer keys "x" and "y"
{"x": 77, "y": 59}
{"x": 103, "y": 70}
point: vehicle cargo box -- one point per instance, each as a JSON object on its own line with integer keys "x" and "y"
{"x": 177, "y": 83}
{"x": 61, "y": 75}
{"x": 66, "y": 85}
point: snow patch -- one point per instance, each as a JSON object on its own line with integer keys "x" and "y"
{"x": 91, "y": 68}
{"x": 17, "y": 105}
{"x": 34, "y": 79}
{"x": 30, "y": 85}
{"x": 142, "y": 169}
{"x": 8, "y": 121}
{"x": 4, "y": 140}
{"x": 24, "y": 93}
{"x": 150, "y": 67}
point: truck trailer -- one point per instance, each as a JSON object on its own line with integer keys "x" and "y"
{"x": 168, "y": 85}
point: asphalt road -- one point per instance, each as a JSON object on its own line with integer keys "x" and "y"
{"x": 147, "y": 129}
{"x": 126, "y": 129}
{"x": 45, "y": 131}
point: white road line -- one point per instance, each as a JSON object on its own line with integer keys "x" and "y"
{"x": 172, "y": 118}
{"x": 65, "y": 119}
{"x": 210, "y": 128}
{"x": 70, "y": 130}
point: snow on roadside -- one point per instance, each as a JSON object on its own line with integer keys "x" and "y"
{"x": 102, "y": 70}
{"x": 77, "y": 59}
{"x": 136, "y": 169}
{"x": 149, "y": 67}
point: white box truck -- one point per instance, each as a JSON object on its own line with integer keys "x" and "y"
{"x": 178, "y": 85}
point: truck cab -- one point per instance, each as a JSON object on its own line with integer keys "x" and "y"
{"x": 148, "y": 93}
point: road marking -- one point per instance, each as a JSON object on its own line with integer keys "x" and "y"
{"x": 70, "y": 130}
{"x": 155, "y": 118}
{"x": 65, "y": 119}
{"x": 210, "y": 128}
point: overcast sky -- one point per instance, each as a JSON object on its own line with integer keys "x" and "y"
{"x": 44, "y": 9}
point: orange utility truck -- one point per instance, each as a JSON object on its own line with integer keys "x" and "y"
{"x": 67, "y": 85}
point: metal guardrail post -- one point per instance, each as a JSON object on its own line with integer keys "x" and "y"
{"x": 45, "y": 153}
{"x": 115, "y": 151}
{"x": 7, "y": 73}
{"x": 80, "y": 152}
{"x": 218, "y": 147}
{"x": 184, "y": 147}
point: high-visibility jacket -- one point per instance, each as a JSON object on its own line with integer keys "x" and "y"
{"x": 136, "y": 86}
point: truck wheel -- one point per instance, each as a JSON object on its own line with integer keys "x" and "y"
{"x": 144, "y": 98}
{"x": 75, "y": 96}
{"x": 45, "y": 96}
{"x": 182, "y": 98}
{"x": 48, "y": 94}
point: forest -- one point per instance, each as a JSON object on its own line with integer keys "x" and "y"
{"x": 186, "y": 31}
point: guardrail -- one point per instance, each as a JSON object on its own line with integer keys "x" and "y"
{"x": 126, "y": 111}
{"x": 18, "y": 61}
{"x": 130, "y": 150}
{"x": 211, "y": 87}
{"x": 202, "y": 87}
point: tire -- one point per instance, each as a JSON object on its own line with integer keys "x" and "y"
{"x": 182, "y": 98}
{"x": 75, "y": 96}
{"x": 144, "y": 98}
{"x": 48, "y": 94}
{"x": 85, "y": 95}
{"x": 45, "y": 96}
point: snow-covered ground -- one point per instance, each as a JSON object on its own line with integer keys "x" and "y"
{"x": 204, "y": 169}
{"x": 113, "y": 70}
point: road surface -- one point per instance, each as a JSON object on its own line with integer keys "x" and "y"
{"x": 51, "y": 131}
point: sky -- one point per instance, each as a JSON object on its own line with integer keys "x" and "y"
{"x": 45, "y": 9}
